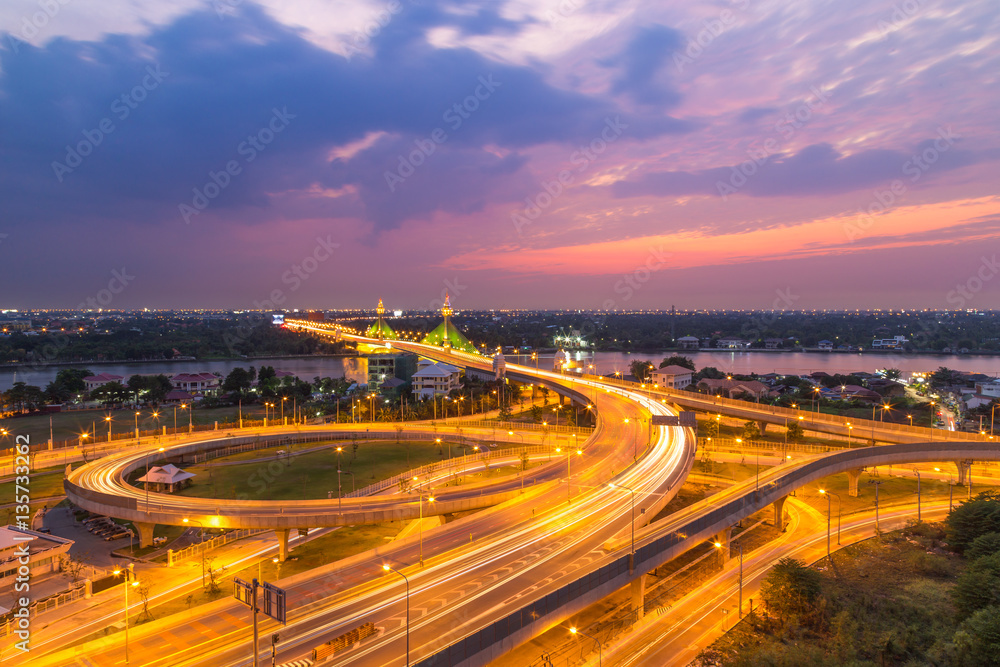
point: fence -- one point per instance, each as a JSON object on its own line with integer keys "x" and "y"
{"x": 462, "y": 461}
{"x": 762, "y": 446}
{"x": 833, "y": 420}
{"x": 207, "y": 545}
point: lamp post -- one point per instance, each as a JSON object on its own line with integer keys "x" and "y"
{"x": 430, "y": 499}
{"x": 600, "y": 656}
{"x": 631, "y": 556}
{"x": 108, "y": 420}
{"x": 201, "y": 543}
{"x": 340, "y": 508}
{"x": 137, "y": 427}
{"x": 718, "y": 545}
{"x": 147, "y": 478}
{"x": 569, "y": 483}
{"x": 129, "y": 574}
{"x": 829, "y": 519}
{"x": 387, "y": 568}
{"x": 917, "y": 473}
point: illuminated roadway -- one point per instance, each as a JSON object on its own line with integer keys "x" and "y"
{"x": 476, "y": 567}
{"x": 480, "y": 567}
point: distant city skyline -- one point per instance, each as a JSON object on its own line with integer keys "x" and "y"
{"x": 592, "y": 155}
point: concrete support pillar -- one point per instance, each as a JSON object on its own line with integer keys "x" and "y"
{"x": 282, "y": 544}
{"x": 962, "y": 467}
{"x": 145, "y": 533}
{"x": 88, "y": 589}
{"x": 639, "y": 596}
{"x": 852, "y": 482}
{"x": 722, "y": 539}
{"x": 762, "y": 425}
{"x": 170, "y": 557}
{"x": 779, "y": 512}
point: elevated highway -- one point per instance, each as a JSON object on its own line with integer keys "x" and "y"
{"x": 764, "y": 415}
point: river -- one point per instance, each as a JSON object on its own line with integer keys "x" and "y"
{"x": 796, "y": 363}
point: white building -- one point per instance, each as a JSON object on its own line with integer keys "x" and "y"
{"x": 41, "y": 550}
{"x": 92, "y": 382}
{"x": 672, "y": 377}
{"x": 991, "y": 389}
{"x": 889, "y": 343}
{"x": 432, "y": 379}
{"x": 688, "y": 342}
{"x": 195, "y": 382}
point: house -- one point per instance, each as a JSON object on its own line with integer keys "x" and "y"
{"x": 893, "y": 343}
{"x": 195, "y": 382}
{"x": 991, "y": 389}
{"x": 973, "y": 401}
{"x": 732, "y": 343}
{"x": 734, "y": 388}
{"x": 825, "y": 345}
{"x": 773, "y": 343}
{"x": 688, "y": 343}
{"x": 672, "y": 377}
{"x": 92, "y": 382}
{"x": 43, "y": 549}
{"x": 178, "y": 396}
{"x": 166, "y": 479}
{"x": 433, "y": 378}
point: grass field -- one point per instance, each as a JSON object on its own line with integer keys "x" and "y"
{"x": 69, "y": 425}
{"x": 312, "y": 475}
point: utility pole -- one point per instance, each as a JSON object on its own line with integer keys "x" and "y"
{"x": 876, "y": 483}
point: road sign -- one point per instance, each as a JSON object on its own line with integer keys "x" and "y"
{"x": 689, "y": 419}
{"x": 244, "y": 592}
{"x": 273, "y": 602}
{"x": 665, "y": 420}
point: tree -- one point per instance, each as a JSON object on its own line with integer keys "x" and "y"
{"x": 978, "y": 586}
{"x": 973, "y": 518}
{"x": 111, "y": 393}
{"x": 751, "y": 430}
{"x": 712, "y": 429}
{"x": 708, "y": 373}
{"x": 893, "y": 374}
{"x": 536, "y": 414}
{"x": 795, "y": 431}
{"x": 677, "y": 360}
{"x": 976, "y": 643}
{"x": 144, "y": 590}
{"x": 791, "y": 590}
{"x": 641, "y": 369}
{"x": 945, "y": 377}
{"x": 984, "y": 545}
{"x": 238, "y": 380}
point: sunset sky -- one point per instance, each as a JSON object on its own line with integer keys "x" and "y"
{"x": 521, "y": 154}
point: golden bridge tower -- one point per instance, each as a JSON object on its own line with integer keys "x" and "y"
{"x": 380, "y": 311}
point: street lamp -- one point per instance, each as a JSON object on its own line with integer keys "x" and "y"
{"x": 201, "y": 543}
{"x": 828, "y": 518}
{"x": 137, "y": 427}
{"x": 387, "y": 568}
{"x": 430, "y": 499}
{"x": 129, "y": 574}
{"x": 185, "y": 406}
{"x": 108, "y": 420}
{"x": 148, "y": 454}
{"x": 600, "y": 657}
{"x": 718, "y": 545}
{"x": 917, "y": 473}
{"x": 569, "y": 484}
{"x": 631, "y": 556}
{"x": 339, "y": 505}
